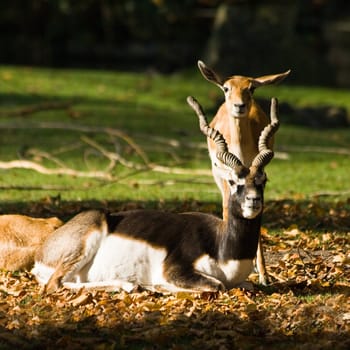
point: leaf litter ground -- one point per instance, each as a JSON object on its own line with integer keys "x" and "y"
{"x": 305, "y": 306}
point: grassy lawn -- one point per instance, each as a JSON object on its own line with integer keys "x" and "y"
{"x": 152, "y": 110}
{"x": 63, "y": 119}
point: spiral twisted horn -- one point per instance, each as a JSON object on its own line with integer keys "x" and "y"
{"x": 265, "y": 154}
{"x": 222, "y": 153}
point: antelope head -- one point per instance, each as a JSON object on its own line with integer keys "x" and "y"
{"x": 238, "y": 89}
{"x": 246, "y": 184}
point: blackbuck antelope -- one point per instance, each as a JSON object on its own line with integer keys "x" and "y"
{"x": 20, "y": 237}
{"x": 240, "y": 120}
{"x": 162, "y": 250}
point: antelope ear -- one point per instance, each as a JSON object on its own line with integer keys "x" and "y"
{"x": 209, "y": 74}
{"x": 269, "y": 79}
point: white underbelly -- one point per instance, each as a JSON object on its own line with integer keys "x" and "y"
{"x": 120, "y": 258}
{"x": 231, "y": 273}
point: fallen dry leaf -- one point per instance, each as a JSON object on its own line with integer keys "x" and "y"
{"x": 306, "y": 306}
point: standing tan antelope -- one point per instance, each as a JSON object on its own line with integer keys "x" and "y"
{"x": 20, "y": 237}
{"x": 240, "y": 120}
{"x": 161, "y": 250}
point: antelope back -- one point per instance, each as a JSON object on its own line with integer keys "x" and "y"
{"x": 72, "y": 238}
{"x": 65, "y": 253}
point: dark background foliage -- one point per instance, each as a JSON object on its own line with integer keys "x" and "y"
{"x": 242, "y": 36}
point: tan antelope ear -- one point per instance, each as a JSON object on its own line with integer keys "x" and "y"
{"x": 269, "y": 79}
{"x": 209, "y": 74}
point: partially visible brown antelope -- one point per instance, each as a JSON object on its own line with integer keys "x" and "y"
{"x": 240, "y": 120}
{"x": 20, "y": 237}
{"x": 161, "y": 250}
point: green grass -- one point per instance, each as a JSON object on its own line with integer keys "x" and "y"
{"x": 301, "y": 96}
{"x": 145, "y": 106}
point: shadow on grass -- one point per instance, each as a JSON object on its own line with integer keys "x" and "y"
{"x": 308, "y": 215}
{"x": 304, "y": 288}
{"x": 200, "y": 330}
{"x": 18, "y": 101}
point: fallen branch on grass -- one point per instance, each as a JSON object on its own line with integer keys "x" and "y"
{"x": 27, "y": 164}
{"x": 113, "y": 156}
{"x": 80, "y": 128}
{"x": 167, "y": 182}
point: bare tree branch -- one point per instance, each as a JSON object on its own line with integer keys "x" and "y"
{"x": 26, "y": 164}
{"x": 34, "y": 152}
{"x": 179, "y": 171}
{"x": 113, "y": 157}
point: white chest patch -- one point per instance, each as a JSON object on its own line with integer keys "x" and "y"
{"x": 231, "y": 273}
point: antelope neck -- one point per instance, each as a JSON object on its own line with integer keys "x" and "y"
{"x": 239, "y": 237}
{"x": 241, "y": 134}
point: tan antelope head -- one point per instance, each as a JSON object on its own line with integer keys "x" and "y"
{"x": 239, "y": 89}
